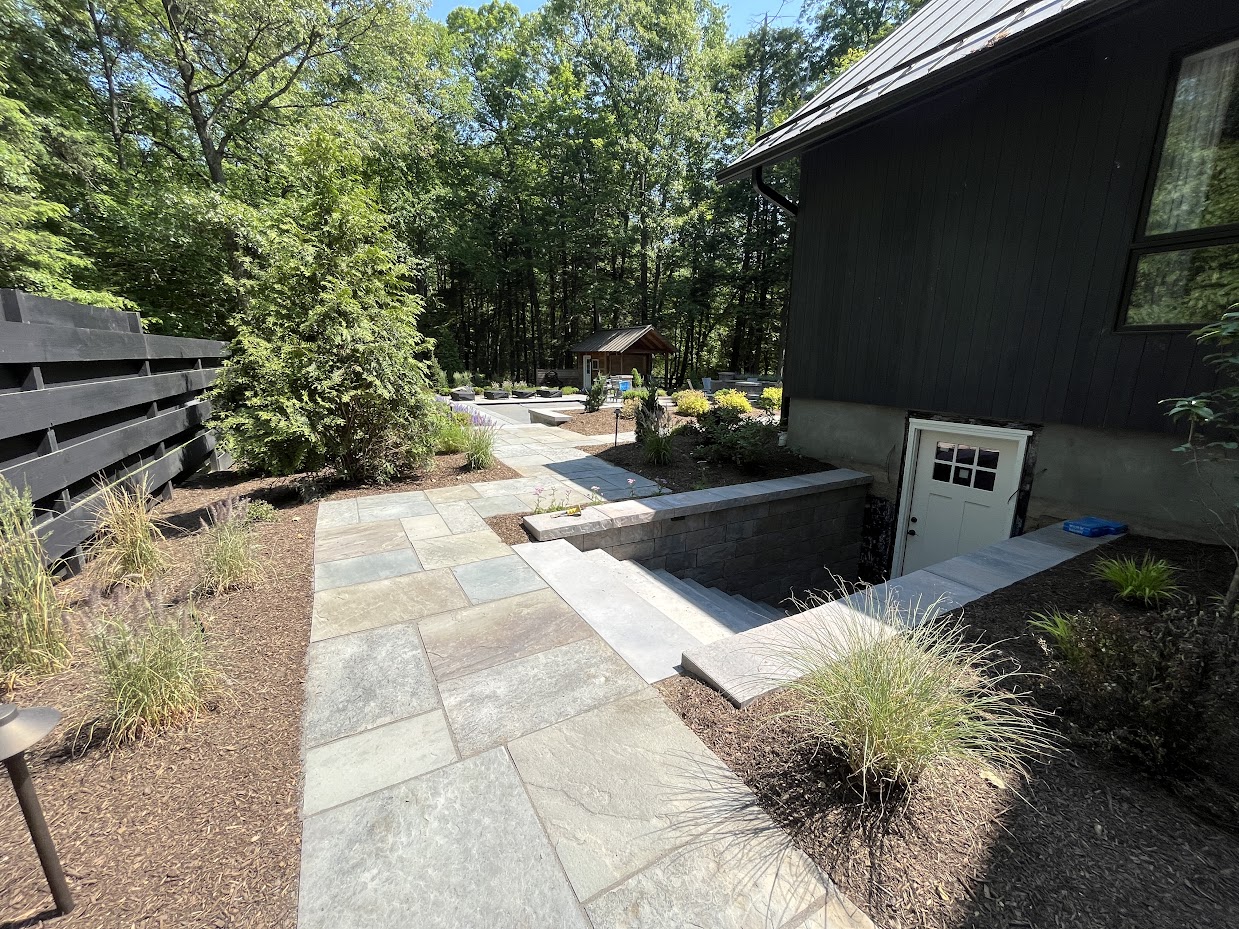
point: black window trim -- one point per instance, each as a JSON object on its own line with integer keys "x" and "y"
{"x": 1143, "y": 244}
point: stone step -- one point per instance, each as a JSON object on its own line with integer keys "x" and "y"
{"x": 670, "y": 599}
{"x": 764, "y": 609}
{"x": 727, "y": 602}
{"x": 640, "y": 633}
{"x": 721, "y": 607}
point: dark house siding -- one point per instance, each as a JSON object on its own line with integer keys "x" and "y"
{"x": 968, "y": 253}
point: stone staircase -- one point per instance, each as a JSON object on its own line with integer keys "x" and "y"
{"x": 649, "y": 617}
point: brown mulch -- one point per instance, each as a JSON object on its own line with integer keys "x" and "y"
{"x": 603, "y": 422}
{"x": 510, "y": 528}
{"x": 198, "y": 826}
{"x": 686, "y": 472}
{"x": 1079, "y": 846}
{"x": 449, "y": 471}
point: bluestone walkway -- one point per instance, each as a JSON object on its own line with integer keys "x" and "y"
{"x": 477, "y": 756}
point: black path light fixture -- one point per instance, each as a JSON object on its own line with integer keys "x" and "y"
{"x": 20, "y": 729}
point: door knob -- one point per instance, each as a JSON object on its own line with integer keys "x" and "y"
{"x": 911, "y": 532}
{"x": 913, "y": 519}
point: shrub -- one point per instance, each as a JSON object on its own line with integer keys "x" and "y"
{"x": 480, "y": 451}
{"x": 33, "y": 638}
{"x": 260, "y": 511}
{"x": 153, "y": 666}
{"x": 630, "y": 406}
{"x": 1149, "y": 581}
{"x": 637, "y": 393}
{"x": 451, "y": 433}
{"x": 895, "y": 703}
{"x": 728, "y": 437}
{"x": 568, "y": 390}
{"x": 226, "y": 559}
{"x": 328, "y": 366}
{"x": 637, "y": 381}
{"x": 127, "y": 546}
{"x": 1159, "y": 691}
{"x": 691, "y": 403}
{"x": 436, "y": 376}
{"x": 733, "y": 400}
{"x": 771, "y": 399}
{"x": 596, "y": 396}
{"x": 462, "y": 379}
{"x": 657, "y": 448}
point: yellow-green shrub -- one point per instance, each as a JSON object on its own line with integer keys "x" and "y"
{"x": 771, "y": 399}
{"x": 733, "y": 400}
{"x": 691, "y": 403}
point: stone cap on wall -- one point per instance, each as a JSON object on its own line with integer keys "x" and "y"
{"x": 545, "y": 527}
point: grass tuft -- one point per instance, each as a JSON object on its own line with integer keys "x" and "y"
{"x": 33, "y": 637}
{"x": 1150, "y": 581}
{"x": 154, "y": 667}
{"x": 226, "y": 559}
{"x": 480, "y": 452}
{"x": 895, "y": 692}
{"x": 658, "y": 449}
{"x": 127, "y": 545}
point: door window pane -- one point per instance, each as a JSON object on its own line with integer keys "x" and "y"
{"x": 988, "y": 458}
{"x": 985, "y": 480}
{"x": 963, "y": 476}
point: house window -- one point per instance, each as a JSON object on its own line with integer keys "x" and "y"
{"x": 1185, "y": 262}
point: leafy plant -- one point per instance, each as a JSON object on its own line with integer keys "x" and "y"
{"x": 636, "y": 393}
{"x": 637, "y": 381}
{"x": 127, "y": 547}
{"x": 1149, "y": 581}
{"x": 33, "y": 638}
{"x": 260, "y": 511}
{"x": 729, "y": 399}
{"x": 451, "y": 434}
{"x": 596, "y": 396}
{"x": 226, "y": 559}
{"x": 771, "y": 399}
{"x": 1062, "y": 630}
{"x": 480, "y": 449}
{"x": 895, "y": 692}
{"x": 628, "y": 409}
{"x": 153, "y": 667}
{"x": 691, "y": 403}
{"x": 727, "y": 436}
{"x": 657, "y": 449}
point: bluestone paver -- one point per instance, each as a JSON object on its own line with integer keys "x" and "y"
{"x": 363, "y": 568}
{"x": 498, "y": 506}
{"x": 496, "y": 578}
{"x": 394, "y": 506}
{"x": 356, "y": 765}
{"x": 461, "y": 548}
{"x": 350, "y": 541}
{"x": 335, "y": 513}
{"x": 452, "y": 494}
{"x": 460, "y": 517}
{"x": 417, "y": 528}
{"x": 380, "y": 603}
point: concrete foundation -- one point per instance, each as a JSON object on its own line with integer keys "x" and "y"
{"x": 1134, "y": 477}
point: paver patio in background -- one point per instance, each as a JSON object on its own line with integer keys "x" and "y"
{"x": 476, "y": 755}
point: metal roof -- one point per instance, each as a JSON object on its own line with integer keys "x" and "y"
{"x": 621, "y": 340}
{"x": 944, "y": 41}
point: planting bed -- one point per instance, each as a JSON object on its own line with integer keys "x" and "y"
{"x": 510, "y": 528}
{"x": 197, "y": 826}
{"x": 449, "y": 470}
{"x": 1086, "y": 841}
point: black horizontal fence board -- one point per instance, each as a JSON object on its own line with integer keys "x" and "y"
{"x": 88, "y": 400}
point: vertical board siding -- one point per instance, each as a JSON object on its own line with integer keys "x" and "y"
{"x": 967, "y": 254}
{"x": 87, "y": 399}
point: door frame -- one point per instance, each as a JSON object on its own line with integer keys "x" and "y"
{"x": 911, "y": 457}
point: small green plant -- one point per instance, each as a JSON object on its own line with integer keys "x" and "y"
{"x": 657, "y": 449}
{"x": 691, "y": 403}
{"x": 1150, "y": 581}
{"x": 153, "y": 666}
{"x": 480, "y": 450}
{"x": 127, "y": 548}
{"x": 596, "y": 396}
{"x": 33, "y": 638}
{"x": 451, "y": 436}
{"x": 636, "y": 393}
{"x": 226, "y": 559}
{"x": 462, "y": 379}
{"x": 628, "y": 409}
{"x": 730, "y": 399}
{"x": 771, "y": 399}
{"x": 568, "y": 390}
{"x": 896, "y": 691}
{"x": 1062, "y": 630}
{"x": 260, "y": 511}
{"x": 637, "y": 382}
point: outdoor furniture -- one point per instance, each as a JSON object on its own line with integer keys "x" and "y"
{"x": 464, "y": 394}
{"x": 524, "y": 393}
{"x": 497, "y": 394}
{"x": 550, "y": 392}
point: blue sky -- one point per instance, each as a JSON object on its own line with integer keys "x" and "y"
{"x": 742, "y": 14}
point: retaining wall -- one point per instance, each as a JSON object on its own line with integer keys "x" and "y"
{"x": 764, "y": 540}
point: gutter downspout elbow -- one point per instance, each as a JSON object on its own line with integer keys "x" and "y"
{"x": 787, "y": 206}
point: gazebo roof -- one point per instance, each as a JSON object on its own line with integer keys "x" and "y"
{"x": 634, "y": 339}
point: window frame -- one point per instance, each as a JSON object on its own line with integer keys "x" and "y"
{"x": 1144, "y": 244}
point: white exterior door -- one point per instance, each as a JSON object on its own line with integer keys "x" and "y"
{"x": 963, "y": 493}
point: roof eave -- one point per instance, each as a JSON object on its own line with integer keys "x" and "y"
{"x": 1018, "y": 44}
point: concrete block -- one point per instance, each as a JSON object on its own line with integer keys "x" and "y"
{"x": 680, "y": 561}
{"x": 633, "y": 551}
{"x": 699, "y": 538}
{"x": 713, "y": 554}
{"x": 669, "y": 544}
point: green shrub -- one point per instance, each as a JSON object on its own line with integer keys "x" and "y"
{"x": 629, "y": 407}
{"x": 127, "y": 547}
{"x": 691, "y": 403}
{"x": 33, "y": 638}
{"x": 436, "y": 377}
{"x": 153, "y": 666}
{"x": 462, "y": 379}
{"x": 568, "y": 390}
{"x": 596, "y": 396}
{"x": 771, "y": 399}
{"x": 636, "y": 393}
{"x": 480, "y": 451}
{"x": 733, "y": 400}
{"x": 729, "y": 437}
{"x": 226, "y": 559}
{"x": 451, "y": 433}
{"x": 893, "y": 704}
{"x": 260, "y": 511}
{"x": 1149, "y": 581}
{"x": 328, "y": 367}
{"x": 657, "y": 448}
{"x": 637, "y": 380}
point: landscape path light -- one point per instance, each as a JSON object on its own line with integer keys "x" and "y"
{"x": 20, "y": 729}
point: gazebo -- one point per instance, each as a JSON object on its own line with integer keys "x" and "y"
{"x": 619, "y": 351}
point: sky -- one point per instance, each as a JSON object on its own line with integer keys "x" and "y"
{"x": 742, "y": 15}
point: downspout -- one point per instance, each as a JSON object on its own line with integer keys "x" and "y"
{"x": 791, "y": 209}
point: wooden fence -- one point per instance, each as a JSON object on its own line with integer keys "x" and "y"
{"x": 87, "y": 399}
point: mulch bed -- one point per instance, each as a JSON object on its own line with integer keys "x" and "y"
{"x": 603, "y": 422}
{"x": 198, "y": 826}
{"x": 1081, "y": 843}
{"x": 509, "y": 528}
{"x": 449, "y": 471}
{"x": 686, "y": 472}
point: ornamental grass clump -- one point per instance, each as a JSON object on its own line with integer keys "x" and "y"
{"x": 127, "y": 548}
{"x": 226, "y": 558}
{"x": 33, "y": 637}
{"x": 1150, "y": 581}
{"x": 451, "y": 434}
{"x": 154, "y": 666}
{"x": 480, "y": 450}
{"x": 896, "y": 691}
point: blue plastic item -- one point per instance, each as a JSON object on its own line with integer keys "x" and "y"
{"x": 625, "y": 384}
{"x": 1092, "y": 526}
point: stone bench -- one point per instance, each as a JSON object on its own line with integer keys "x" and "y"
{"x": 548, "y": 417}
